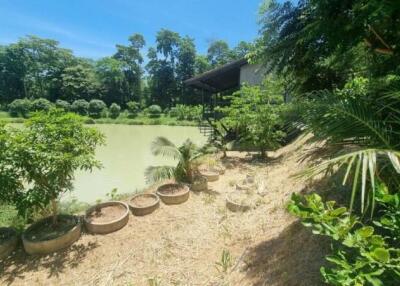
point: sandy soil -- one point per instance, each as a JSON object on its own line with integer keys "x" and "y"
{"x": 182, "y": 244}
{"x": 107, "y": 214}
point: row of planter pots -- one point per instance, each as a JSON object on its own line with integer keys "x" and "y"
{"x": 94, "y": 223}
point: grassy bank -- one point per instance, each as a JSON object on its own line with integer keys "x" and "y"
{"x": 122, "y": 119}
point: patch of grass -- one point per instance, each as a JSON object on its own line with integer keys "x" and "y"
{"x": 225, "y": 261}
{"x": 208, "y": 199}
{"x": 153, "y": 281}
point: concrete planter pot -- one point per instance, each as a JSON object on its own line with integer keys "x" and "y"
{"x": 210, "y": 175}
{"x": 234, "y": 206}
{"x": 107, "y": 226}
{"x": 9, "y": 241}
{"x": 200, "y": 184}
{"x": 142, "y": 210}
{"x": 49, "y": 246}
{"x": 168, "y": 197}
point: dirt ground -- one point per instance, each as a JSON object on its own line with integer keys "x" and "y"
{"x": 183, "y": 244}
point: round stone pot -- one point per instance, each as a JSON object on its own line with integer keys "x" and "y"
{"x": 210, "y": 175}
{"x": 107, "y": 226}
{"x": 200, "y": 184}
{"x": 235, "y": 206}
{"x": 9, "y": 241}
{"x": 142, "y": 210}
{"x": 173, "y": 194}
{"x": 51, "y": 245}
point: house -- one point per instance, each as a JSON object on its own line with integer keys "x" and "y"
{"x": 215, "y": 83}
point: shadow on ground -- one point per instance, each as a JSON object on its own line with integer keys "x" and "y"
{"x": 20, "y": 263}
{"x": 293, "y": 258}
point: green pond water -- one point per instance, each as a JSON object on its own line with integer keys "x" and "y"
{"x": 125, "y": 157}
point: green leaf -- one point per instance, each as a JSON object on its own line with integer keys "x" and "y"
{"x": 381, "y": 254}
{"x": 365, "y": 232}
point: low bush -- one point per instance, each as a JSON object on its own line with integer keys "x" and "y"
{"x": 65, "y": 105}
{"x": 96, "y": 108}
{"x": 20, "y": 107}
{"x": 154, "y": 111}
{"x": 41, "y": 104}
{"x": 133, "y": 109}
{"x": 114, "y": 110}
{"x": 80, "y": 106}
{"x": 187, "y": 112}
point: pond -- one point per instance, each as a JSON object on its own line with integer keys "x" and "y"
{"x": 125, "y": 157}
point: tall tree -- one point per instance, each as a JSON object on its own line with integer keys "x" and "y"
{"x": 185, "y": 68}
{"x": 218, "y": 53}
{"x": 131, "y": 60}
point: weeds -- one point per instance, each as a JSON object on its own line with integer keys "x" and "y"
{"x": 225, "y": 262}
{"x": 154, "y": 281}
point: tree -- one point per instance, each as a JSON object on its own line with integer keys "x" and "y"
{"x": 255, "y": 115}
{"x": 185, "y": 154}
{"x": 131, "y": 59}
{"x": 50, "y": 148}
{"x": 218, "y": 53}
{"x": 185, "y": 68}
{"x": 79, "y": 82}
{"x": 133, "y": 108}
{"x": 63, "y": 104}
{"x": 41, "y": 104}
{"x": 201, "y": 64}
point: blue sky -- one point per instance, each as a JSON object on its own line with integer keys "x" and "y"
{"x": 91, "y": 28}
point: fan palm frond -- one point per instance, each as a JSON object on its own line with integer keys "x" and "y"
{"x": 162, "y": 146}
{"x": 158, "y": 173}
{"x": 364, "y": 165}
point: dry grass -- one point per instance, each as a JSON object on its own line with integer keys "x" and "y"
{"x": 182, "y": 245}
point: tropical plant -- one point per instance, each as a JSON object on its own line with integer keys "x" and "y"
{"x": 366, "y": 127}
{"x": 48, "y": 151}
{"x": 186, "y": 156}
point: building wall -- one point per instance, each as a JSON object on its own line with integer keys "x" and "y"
{"x": 251, "y": 74}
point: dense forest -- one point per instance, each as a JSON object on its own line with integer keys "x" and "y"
{"x": 39, "y": 68}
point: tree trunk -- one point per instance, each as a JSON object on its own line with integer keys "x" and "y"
{"x": 54, "y": 210}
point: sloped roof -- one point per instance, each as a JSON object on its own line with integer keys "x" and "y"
{"x": 219, "y": 79}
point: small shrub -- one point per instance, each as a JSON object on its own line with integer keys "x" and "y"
{"x": 41, "y": 104}
{"x": 80, "y": 106}
{"x": 154, "y": 111}
{"x": 133, "y": 109}
{"x": 20, "y": 107}
{"x": 65, "y": 105}
{"x": 173, "y": 112}
{"x": 114, "y": 110}
{"x": 96, "y": 108}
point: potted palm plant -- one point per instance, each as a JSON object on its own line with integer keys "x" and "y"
{"x": 183, "y": 172}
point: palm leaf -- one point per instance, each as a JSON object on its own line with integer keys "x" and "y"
{"x": 360, "y": 163}
{"x": 162, "y": 146}
{"x": 158, "y": 173}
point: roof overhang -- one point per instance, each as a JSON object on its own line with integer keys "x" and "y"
{"x": 219, "y": 79}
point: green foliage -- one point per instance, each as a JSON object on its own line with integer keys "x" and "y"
{"x": 187, "y": 112}
{"x": 226, "y": 261}
{"x": 114, "y": 110}
{"x": 20, "y": 107}
{"x": 41, "y": 104}
{"x": 186, "y": 156}
{"x": 133, "y": 108}
{"x": 62, "y": 104}
{"x": 80, "y": 107}
{"x": 255, "y": 114}
{"x": 362, "y": 256}
{"x": 47, "y": 152}
{"x": 96, "y": 108}
{"x": 154, "y": 111}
